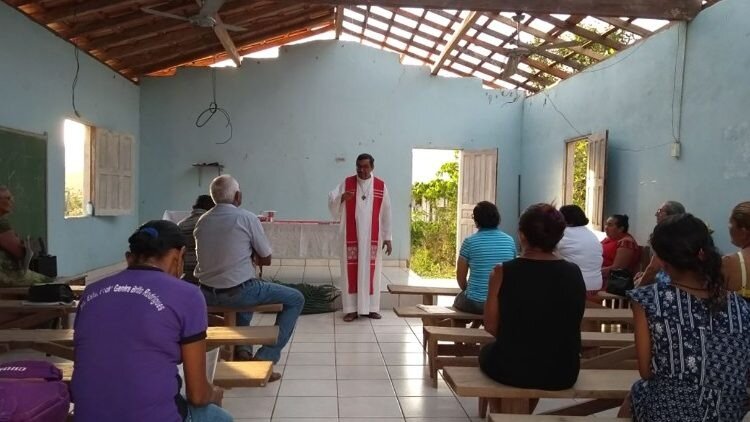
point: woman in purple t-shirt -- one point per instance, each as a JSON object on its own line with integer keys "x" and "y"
{"x": 132, "y": 330}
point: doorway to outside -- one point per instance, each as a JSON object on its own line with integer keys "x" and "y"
{"x": 446, "y": 185}
{"x": 585, "y": 168}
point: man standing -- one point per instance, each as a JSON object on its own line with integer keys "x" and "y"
{"x": 363, "y": 206}
{"x": 228, "y": 240}
{"x": 202, "y": 204}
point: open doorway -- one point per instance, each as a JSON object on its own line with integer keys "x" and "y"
{"x": 585, "y": 168}
{"x": 434, "y": 212}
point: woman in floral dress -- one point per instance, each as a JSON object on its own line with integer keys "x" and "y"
{"x": 692, "y": 337}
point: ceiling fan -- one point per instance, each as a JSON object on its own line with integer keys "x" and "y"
{"x": 208, "y": 17}
{"x": 515, "y": 54}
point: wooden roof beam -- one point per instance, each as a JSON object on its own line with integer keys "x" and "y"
{"x": 196, "y": 52}
{"x": 266, "y": 44}
{"x": 78, "y": 10}
{"x": 339, "y": 20}
{"x": 453, "y": 41}
{"x": 583, "y": 32}
{"x": 191, "y": 35}
{"x": 162, "y": 27}
{"x": 627, "y": 26}
{"x": 662, "y": 9}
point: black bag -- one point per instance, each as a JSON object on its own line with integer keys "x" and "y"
{"x": 52, "y": 292}
{"x": 620, "y": 281}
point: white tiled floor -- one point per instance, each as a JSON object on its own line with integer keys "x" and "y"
{"x": 363, "y": 371}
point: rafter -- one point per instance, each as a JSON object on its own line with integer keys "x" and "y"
{"x": 339, "y": 20}
{"x": 195, "y": 52}
{"x": 662, "y": 9}
{"x": 155, "y": 32}
{"x": 583, "y": 32}
{"x": 79, "y": 10}
{"x": 453, "y": 41}
{"x": 627, "y": 25}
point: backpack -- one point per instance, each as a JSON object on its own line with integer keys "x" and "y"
{"x": 32, "y": 391}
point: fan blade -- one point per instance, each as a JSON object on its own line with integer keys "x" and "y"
{"x": 226, "y": 42}
{"x": 234, "y": 28}
{"x": 164, "y": 14}
{"x": 510, "y": 67}
{"x": 565, "y": 44}
{"x": 211, "y": 7}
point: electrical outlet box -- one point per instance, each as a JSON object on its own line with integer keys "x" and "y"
{"x": 676, "y": 149}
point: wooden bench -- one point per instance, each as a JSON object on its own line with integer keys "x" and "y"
{"x": 22, "y": 315}
{"x": 429, "y": 294}
{"x": 468, "y": 340}
{"x": 593, "y": 314}
{"x": 59, "y": 342}
{"x": 608, "y": 388}
{"x": 228, "y": 374}
{"x": 23, "y": 292}
{"x": 498, "y": 417}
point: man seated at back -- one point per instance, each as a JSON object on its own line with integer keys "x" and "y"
{"x": 228, "y": 241}
{"x": 202, "y": 204}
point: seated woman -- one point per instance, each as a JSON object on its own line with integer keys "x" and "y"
{"x": 619, "y": 248}
{"x": 479, "y": 253}
{"x": 736, "y": 267}
{"x": 692, "y": 338}
{"x": 131, "y": 332}
{"x": 580, "y": 246}
{"x": 538, "y": 289}
{"x": 13, "y": 269}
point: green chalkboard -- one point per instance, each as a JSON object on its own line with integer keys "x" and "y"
{"x": 23, "y": 169}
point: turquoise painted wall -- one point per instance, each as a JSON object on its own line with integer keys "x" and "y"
{"x": 295, "y": 115}
{"x": 631, "y": 95}
{"x": 36, "y": 73}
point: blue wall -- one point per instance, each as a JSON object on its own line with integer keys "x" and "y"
{"x": 631, "y": 95}
{"x": 293, "y": 116}
{"x": 36, "y": 72}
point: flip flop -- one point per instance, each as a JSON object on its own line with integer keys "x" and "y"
{"x": 350, "y": 317}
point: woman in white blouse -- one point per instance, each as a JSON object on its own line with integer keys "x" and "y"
{"x": 580, "y": 246}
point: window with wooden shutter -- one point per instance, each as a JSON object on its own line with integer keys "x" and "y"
{"x": 597, "y": 162}
{"x": 112, "y": 162}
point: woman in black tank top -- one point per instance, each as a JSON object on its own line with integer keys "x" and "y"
{"x": 534, "y": 309}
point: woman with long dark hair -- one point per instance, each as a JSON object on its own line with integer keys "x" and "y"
{"x": 692, "y": 337}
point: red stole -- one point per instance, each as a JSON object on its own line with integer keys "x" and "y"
{"x": 352, "y": 247}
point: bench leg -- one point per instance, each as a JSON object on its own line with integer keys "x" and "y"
{"x": 514, "y": 406}
{"x": 432, "y": 352}
{"x": 230, "y": 320}
{"x": 483, "y": 405}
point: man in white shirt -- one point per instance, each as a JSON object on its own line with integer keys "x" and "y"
{"x": 364, "y": 207}
{"x": 228, "y": 241}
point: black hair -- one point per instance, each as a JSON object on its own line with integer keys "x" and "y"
{"x": 486, "y": 215}
{"x": 204, "y": 202}
{"x": 574, "y": 215}
{"x": 366, "y": 156}
{"x": 622, "y": 221}
{"x": 684, "y": 242}
{"x": 543, "y": 226}
{"x": 155, "y": 239}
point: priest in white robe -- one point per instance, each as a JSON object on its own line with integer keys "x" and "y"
{"x": 362, "y": 204}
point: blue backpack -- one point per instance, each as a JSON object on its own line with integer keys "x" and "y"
{"x": 32, "y": 391}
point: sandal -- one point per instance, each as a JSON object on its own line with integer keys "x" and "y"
{"x": 374, "y": 315}
{"x": 350, "y": 317}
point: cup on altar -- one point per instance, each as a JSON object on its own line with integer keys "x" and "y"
{"x": 269, "y": 215}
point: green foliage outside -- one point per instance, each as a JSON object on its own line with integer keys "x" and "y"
{"x": 433, "y": 236}
{"x": 580, "y": 163}
{"x": 620, "y": 36}
{"x": 73, "y": 202}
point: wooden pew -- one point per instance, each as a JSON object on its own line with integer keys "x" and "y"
{"x": 28, "y": 316}
{"x": 429, "y": 294}
{"x": 59, "y": 342}
{"x": 31, "y": 315}
{"x": 228, "y": 374}
{"x": 593, "y": 314}
{"x": 607, "y": 388}
{"x": 468, "y": 340}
